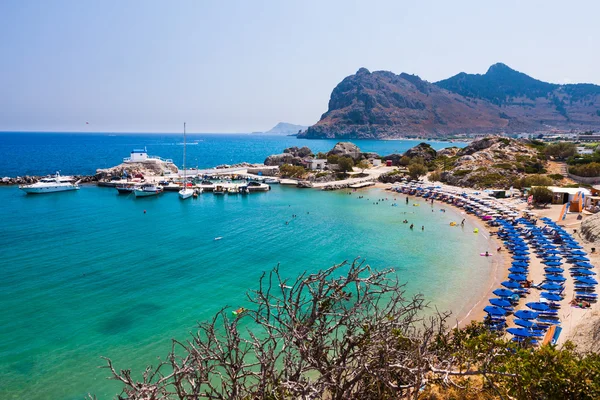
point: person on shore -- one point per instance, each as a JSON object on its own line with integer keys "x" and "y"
{"x": 406, "y": 199}
{"x": 462, "y": 222}
{"x": 499, "y": 249}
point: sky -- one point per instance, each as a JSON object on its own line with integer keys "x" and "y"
{"x": 243, "y": 66}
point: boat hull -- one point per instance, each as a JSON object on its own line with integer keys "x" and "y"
{"x": 42, "y": 190}
{"x": 146, "y": 193}
{"x": 185, "y": 194}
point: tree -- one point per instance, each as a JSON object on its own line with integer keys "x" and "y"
{"x": 541, "y": 195}
{"x": 292, "y": 171}
{"x": 561, "y": 150}
{"x": 415, "y": 171}
{"x": 351, "y": 332}
{"x": 345, "y": 164}
{"x": 363, "y": 164}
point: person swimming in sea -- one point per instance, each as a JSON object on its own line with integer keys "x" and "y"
{"x": 412, "y": 226}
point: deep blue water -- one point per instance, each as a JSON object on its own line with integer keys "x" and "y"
{"x": 25, "y": 153}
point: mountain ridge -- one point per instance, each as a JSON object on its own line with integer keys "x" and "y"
{"x": 381, "y": 104}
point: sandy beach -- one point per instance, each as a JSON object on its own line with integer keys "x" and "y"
{"x": 575, "y": 322}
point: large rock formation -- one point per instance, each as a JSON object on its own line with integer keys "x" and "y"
{"x": 291, "y": 155}
{"x": 381, "y": 105}
{"x": 492, "y": 162}
{"x": 346, "y": 149}
{"x": 422, "y": 150}
{"x": 590, "y": 228}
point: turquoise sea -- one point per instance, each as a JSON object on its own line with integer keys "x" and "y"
{"x": 88, "y": 274}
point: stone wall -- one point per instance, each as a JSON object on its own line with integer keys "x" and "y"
{"x": 592, "y": 180}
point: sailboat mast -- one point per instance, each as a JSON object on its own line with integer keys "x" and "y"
{"x": 184, "y": 147}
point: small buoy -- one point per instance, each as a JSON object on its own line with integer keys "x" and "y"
{"x": 453, "y": 223}
{"x": 475, "y": 230}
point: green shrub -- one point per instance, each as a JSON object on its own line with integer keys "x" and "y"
{"x": 586, "y": 170}
{"x": 541, "y": 195}
{"x": 461, "y": 172}
{"x": 504, "y": 166}
{"x": 292, "y": 171}
{"x": 556, "y": 177}
{"x": 561, "y": 150}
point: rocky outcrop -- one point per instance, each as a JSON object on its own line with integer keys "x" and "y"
{"x": 346, "y": 149}
{"x": 448, "y": 152}
{"x": 391, "y": 177}
{"x": 422, "y": 150}
{"x": 381, "y": 104}
{"x": 291, "y": 155}
{"x": 492, "y": 162}
{"x": 145, "y": 168}
{"x": 590, "y": 229}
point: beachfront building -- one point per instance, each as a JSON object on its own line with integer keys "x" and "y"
{"x": 376, "y": 162}
{"x": 584, "y": 150}
{"x": 561, "y": 195}
{"x": 317, "y": 164}
{"x": 141, "y": 155}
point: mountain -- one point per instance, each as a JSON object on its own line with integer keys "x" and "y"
{"x": 380, "y": 104}
{"x": 284, "y": 128}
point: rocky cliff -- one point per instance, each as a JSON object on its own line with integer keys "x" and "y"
{"x": 380, "y": 104}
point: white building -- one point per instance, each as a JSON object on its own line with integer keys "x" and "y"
{"x": 584, "y": 150}
{"x": 376, "y": 162}
{"x": 141, "y": 155}
{"x": 317, "y": 164}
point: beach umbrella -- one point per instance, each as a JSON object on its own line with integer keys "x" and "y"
{"x": 582, "y": 272}
{"x": 552, "y": 258}
{"x": 518, "y": 270}
{"x": 511, "y": 284}
{"x": 551, "y": 296}
{"x": 537, "y": 306}
{"x": 551, "y": 286}
{"x": 526, "y": 314}
{"x": 585, "y": 279}
{"x": 503, "y": 292}
{"x": 580, "y": 258}
{"x": 500, "y": 302}
{"x": 519, "y": 263}
{"x": 495, "y": 311}
{"x": 578, "y": 252}
{"x": 584, "y": 264}
{"x": 517, "y": 277}
{"x": 555, "y": 278}
{"x": 548, "y": 246}
{"x": 573, "y": 245}
{"x": 520, "y": 257}
{"x": 552, "y": 263}
{"x": 520, "y": 332}
{"x": 523, "y": 323}
{"x": 554, "y": 270}
{"x": 521, "y": 253}
{"x": 552, "y": 251}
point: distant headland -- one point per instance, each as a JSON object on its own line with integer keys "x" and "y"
{"x": 383, "y": 105}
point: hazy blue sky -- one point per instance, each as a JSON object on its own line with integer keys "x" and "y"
{"x": 241, "y": 66}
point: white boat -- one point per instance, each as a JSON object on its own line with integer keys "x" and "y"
{"x": 271, "y": 180}
{"x": 219, "y": 190}
{"x": 254, "y": 186}
{"x": 186, "y": 192}
{"x": 147, "y": 190}
{"x": 50, "y": 185}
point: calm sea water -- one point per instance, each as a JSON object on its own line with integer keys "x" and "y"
{"x": 88, "y": 274}
{"x": 75, "y": 153}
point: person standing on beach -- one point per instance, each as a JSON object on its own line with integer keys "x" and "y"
{"x": 406, "y": 199}
{"x": 462, "y": 222}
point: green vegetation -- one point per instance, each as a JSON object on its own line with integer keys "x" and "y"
{"x": 556, "y": 177}
{"x": 321, "y": 156}
{"x": 488, "y": 180}
{"x": 533, "y": 180}
{"x": 352, "y": 332}
{"x": 415, "y": 171}
{"x": 362, "y": 165}
{"x": 586, "y": 170}
{"x": 292, "y": 171}
{"x": 461, "y": 172}
{"x": 561, "y": 150}
{"x": 541, "y": 195}
{"x": 345, "y": 164}
{"x": 435, "y": 176}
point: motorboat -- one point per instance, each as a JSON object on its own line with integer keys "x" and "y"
{"x": 271, "y": 180}
{"x": 233, "y": 190}
{"x": 51, "y": 185}
{"x": 186, "y": 192}
{"x": 147, "y": 190}
{"x": 254, "y": 186}
{"x": 219, "y": 190}
{"x": 125, "y": 188}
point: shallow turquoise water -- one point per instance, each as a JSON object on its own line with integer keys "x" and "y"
{"x": 87, "y": 274}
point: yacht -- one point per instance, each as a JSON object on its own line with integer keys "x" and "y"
{"x": 125, "y": 188}
{"x": 50, "y": 185}
{"x": 186, "y": 192}
{"x": 147, "y": 190}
